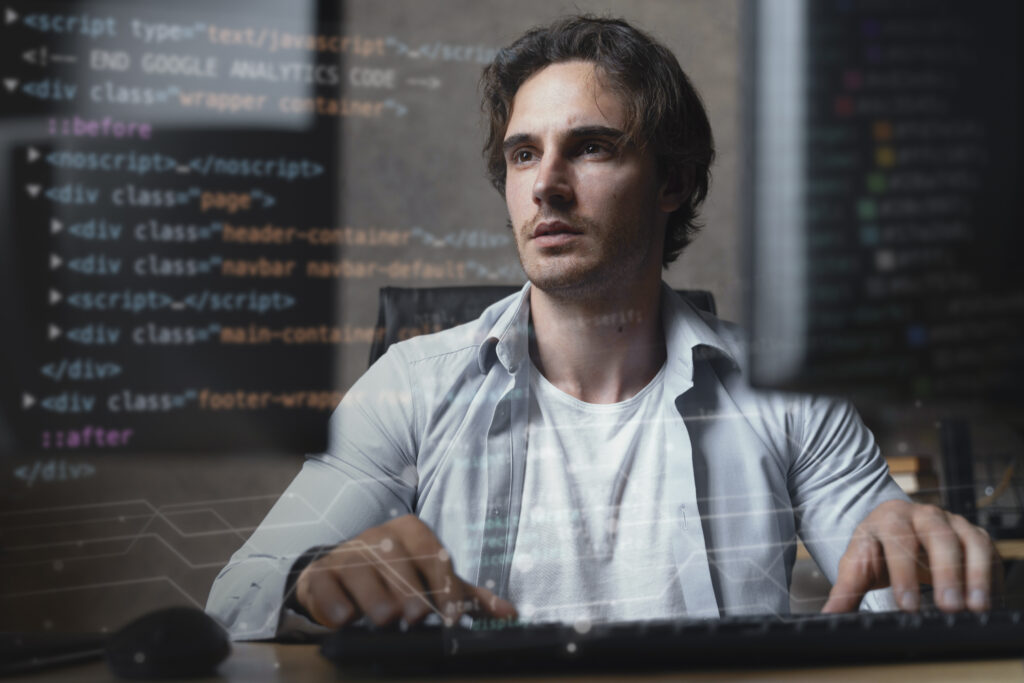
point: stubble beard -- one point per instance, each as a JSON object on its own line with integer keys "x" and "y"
{"x": 574, "y": 274}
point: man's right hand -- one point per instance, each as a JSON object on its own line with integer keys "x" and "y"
{"x": 396, "y": 570}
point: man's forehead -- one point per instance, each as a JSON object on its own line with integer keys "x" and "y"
{"x": 565, "y": 95}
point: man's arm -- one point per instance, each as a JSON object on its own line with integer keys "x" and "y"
{"x": 366, "y": 477}
{"x": 837, "y": 476}
{"x": 841, "y": 490}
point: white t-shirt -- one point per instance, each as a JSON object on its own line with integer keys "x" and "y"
{"x": 595, "y": 533}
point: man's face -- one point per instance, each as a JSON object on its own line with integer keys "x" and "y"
{"x": 586, "y": 206}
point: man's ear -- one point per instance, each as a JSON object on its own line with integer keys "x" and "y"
{"x": 676, "y": 188}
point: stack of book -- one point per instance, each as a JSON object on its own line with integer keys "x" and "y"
{"x": 916, "y": 476}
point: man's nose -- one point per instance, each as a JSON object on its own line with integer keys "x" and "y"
{"x": 553, "y": 184}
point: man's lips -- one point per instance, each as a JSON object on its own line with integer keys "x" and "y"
{"x": 551, "y": 229}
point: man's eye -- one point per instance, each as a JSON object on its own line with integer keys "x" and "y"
{"x": 522, "y": 156}
{"x": 591, "y": 148}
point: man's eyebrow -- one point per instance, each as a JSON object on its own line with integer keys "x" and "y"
{"x": 597, "y": 132}
{"x": 580, "y": 132}
{"x": 513, "y": 140}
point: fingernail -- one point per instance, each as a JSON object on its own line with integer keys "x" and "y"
{"x": 910, "y": 601}
{"x": 339, "y": 613}
{"x": 413, "y": 611}
{"x": 979, "y": 599}
{"x": 951, "y": 598}
{"x": 381, "y": 612}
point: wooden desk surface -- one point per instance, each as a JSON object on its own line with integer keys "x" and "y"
{"x": 1009, "y": 549}
{"x": 271, "y": 662}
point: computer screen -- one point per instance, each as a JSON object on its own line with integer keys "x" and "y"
{"x": 166, "y": 189}
{"x": 883, "y": 209}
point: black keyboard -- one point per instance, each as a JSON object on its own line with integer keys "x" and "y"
{"x": 862, "y": 637}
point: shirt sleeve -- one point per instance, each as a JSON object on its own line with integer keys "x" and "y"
{"x": 838, "y": 476}
{"x": 366, "y": 477}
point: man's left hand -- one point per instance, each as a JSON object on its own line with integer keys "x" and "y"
{"x": 903, "y": 545}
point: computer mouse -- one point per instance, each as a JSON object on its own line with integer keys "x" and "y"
{"x": 175, "y": 642}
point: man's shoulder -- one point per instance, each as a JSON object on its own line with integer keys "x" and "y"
{"x": 708, "y": 340}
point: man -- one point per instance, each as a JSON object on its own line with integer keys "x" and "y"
{"x": 589, "y": 448}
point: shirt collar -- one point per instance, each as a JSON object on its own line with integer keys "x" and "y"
{"x": 508, "y": 339}
{"x": 687, "y": 335}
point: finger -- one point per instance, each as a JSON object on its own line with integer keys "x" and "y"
{"x": 980, "y": 562}
{"x": 323, "y": 598}
{"x": 406, "y": 585}
{"x": 900, "y": 546}
{"x": 363, "y": 583}
{"x": 486, "y": 602}
{"x": 945, "y": 558}
{"x": 861, "y": 569}
{"x": 446, "y": 589}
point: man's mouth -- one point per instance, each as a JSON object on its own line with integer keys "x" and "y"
{"x": 553, "y": 229}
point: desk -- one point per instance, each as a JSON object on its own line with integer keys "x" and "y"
{"x": 1008, "y": 548}
{"x": 271, "y": 662}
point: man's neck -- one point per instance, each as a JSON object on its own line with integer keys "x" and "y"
{"x": 601, "y": 349}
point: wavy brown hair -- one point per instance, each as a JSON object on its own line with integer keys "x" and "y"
{"x": 663, "y": 110}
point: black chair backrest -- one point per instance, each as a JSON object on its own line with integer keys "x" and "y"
{"x": 407, "y": 312}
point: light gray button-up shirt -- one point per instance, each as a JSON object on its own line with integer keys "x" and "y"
{"x": 438, "y": 427}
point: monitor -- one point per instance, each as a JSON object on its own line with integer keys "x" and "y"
{"x": 882, "y": 197}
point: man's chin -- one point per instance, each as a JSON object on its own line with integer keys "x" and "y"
{"x": 568, "y": 283}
